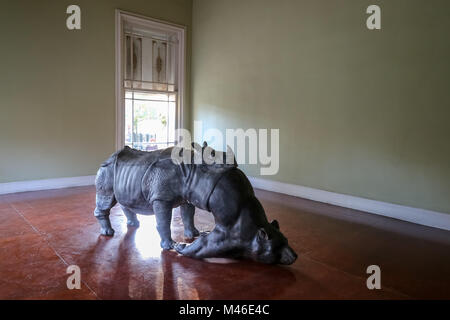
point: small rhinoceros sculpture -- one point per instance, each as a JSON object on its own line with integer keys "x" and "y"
{"x": 153, "y": 183}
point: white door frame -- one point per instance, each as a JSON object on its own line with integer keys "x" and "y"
{"x": 151, "y": 23}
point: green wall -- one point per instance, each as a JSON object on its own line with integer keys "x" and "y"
{"x": 360, "y": 112}
{"x": 57, "y": 89}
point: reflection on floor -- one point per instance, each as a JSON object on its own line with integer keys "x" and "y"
{"x": 41, "y": 233}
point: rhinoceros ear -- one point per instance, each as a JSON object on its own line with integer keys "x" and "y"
{"x": 275, "y": 224}
{"x": 262, "y": 235}
{"x": 196, "y": 146}
{"x": 230, "y": 158}
{"x": 229, "y": 150}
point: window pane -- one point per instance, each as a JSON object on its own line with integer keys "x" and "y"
{"x": 137, "y": 59}
{"x": 159, "y": 61}
{"x": 128, "y": 57}
{"x": 171, "y": 122}
{"x": 147, "y": 60}
{"x": 152, "y": 125}
{"x": 128, "y": 123}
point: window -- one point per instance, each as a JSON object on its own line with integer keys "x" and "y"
{"x": 150, "y": 89}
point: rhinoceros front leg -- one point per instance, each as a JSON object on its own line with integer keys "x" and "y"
{"x": 163, "y": 214}
{"x": 187, "y": 215}
{"x": 212, "y": 245}
{"x": 132, "y": 220}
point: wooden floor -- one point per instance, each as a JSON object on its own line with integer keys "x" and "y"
{"x": 41, "y": 233}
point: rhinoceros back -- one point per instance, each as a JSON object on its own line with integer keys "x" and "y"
{"x": 142, "y": 177}
{"x": 130, "y": 168}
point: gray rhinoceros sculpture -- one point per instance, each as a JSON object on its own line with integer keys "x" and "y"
{"x": 153, "y": 183}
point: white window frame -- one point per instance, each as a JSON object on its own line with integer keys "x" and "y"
{"x": 122, "y": 16}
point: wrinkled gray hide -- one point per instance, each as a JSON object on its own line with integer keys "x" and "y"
{"x": 150, "y": 182}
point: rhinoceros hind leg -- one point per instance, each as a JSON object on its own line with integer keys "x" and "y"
{"x": 163, "y": 214}
{"x": 187, "y": 215}
{"x": 105, "y": 199}
{"x": 103, "y": 207}
{"x": 132, "y": 220}
{"x": 105, "y": 224}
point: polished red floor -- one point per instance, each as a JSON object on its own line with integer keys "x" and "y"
{"x": 41, "y": 233}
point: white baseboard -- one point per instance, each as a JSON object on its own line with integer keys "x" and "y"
{"x": 415, "y": 215}
{"x": 34, "y": 185}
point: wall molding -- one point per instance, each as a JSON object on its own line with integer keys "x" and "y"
{"x": 415, "y": 215}
{"x": 35, "y": 185}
